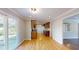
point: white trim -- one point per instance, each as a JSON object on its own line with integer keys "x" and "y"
{"x": 19, "y": 44}
{"x": 16, "y": 13}
{"x": 27, "y": 39}
{"x": 71, "y": 38}
{"x": 11, "y": 15}
{"x": 5, "y": 13}
{"x": 66, "y": 13}
{"x": 70, "y": 15}
{"x": 62, "y": 16}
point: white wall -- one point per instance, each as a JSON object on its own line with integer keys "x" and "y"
{"x": 28, "y": 30}
{"x": 20, "y": 31}
{"x": 56, "y": 26}
{"x": 40, "y": 28}
{"x": 51, "y": 29}
{"x": 73, "y": 33}
{"x": 20, "y": 25}
{"x": 56, "y": 29}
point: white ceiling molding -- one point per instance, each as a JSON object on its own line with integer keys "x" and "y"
{"x": 74, "y": 12}
{"x": 17, "y": 14}
{"x": 8, "y": 12}
{"x": 54, "y": 14}
{"x": 4, "y": 13}
{"x": 66, "y": 14}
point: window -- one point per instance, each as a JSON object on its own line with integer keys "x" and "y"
{"x": 66, "y": 27}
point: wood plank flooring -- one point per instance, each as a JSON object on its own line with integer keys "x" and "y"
{"x": 41, "y": 43}
{"x": 72, "y": 43}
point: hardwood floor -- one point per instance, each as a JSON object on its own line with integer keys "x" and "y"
{"x": 72, "y": 43}
{"x": 41, "y": 43}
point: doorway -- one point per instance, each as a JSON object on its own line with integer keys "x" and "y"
{"x": 71, "y": 32}
{"x": 46, "y": 29}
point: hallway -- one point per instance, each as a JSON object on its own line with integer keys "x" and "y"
{"x": 20, "y": 27}
{"x": 41, "y": 43}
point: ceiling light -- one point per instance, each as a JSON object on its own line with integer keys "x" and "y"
{"x": 34, "y": 10}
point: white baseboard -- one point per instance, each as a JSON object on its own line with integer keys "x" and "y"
{"x": 19, "y": 44}
{"x": 72, "y": 38}
{"x": 28, "y": 39}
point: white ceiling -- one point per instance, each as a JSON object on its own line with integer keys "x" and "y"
{"x": 43, "y": 13}
{"x": 41, "y": 16}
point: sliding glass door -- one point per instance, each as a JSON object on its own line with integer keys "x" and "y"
{"x": 11, "y": 33}
{"x": 2, "y": 33}
{"x": 7, "y": 33}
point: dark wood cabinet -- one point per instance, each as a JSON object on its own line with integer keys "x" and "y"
{"x": 47, "y": 33}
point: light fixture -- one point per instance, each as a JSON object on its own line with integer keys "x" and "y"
{"x": 48, "y": 17}
{"x": 34, "y": 10}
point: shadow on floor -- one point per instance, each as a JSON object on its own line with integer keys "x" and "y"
{"x": 72, "y": 43}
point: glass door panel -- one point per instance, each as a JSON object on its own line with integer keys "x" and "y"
{"x": 11, "y": 33}
{"x": 2, "y": 35}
